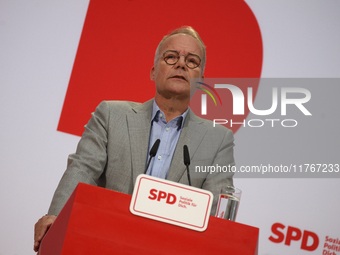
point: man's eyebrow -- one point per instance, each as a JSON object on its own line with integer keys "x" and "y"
{"x": 188, "y": 53}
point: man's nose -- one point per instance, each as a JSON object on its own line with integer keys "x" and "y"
{"x": 181, "y": 62}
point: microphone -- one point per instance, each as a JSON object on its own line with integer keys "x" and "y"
{"x": 186, "y": 158}
{"x": 152, "y": 153}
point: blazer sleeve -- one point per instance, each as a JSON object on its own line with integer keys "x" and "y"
{"x": 88, "y": 163}
{"x": 221, "y": 173}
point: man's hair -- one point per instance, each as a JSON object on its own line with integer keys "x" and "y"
{"x": 187, "y": 30}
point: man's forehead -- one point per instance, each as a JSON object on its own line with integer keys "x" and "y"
{"x": 182, "y": 42}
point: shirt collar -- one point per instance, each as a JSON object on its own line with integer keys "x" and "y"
{"x": 157, "y": 113}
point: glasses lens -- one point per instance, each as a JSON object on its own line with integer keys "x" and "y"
{"x": 192, "y": 61}
{"x": 171, "y": 57}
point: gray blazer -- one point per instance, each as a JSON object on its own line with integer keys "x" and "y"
{"x": 114, "y": 147}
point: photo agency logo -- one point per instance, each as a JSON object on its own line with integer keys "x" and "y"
{"x": 252, "y": 103}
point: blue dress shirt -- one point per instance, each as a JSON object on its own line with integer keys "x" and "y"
{"x": 168, "y": 133}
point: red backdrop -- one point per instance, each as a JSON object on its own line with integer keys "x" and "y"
{"x": 119, "y": 38}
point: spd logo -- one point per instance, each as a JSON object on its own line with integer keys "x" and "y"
{"x": 160, "y": 195}
{"x": 288, "y": 235}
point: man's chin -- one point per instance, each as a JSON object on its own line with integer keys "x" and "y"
{"x": 176, "y": 94}
{"x": 180, "y": 89}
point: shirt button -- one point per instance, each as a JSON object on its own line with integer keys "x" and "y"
{"x": 167, "y": 129}
{"x": 159, "y": 157}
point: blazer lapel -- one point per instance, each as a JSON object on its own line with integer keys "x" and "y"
{"x": 191, "y": 135}
{"x": 138, "y": 122}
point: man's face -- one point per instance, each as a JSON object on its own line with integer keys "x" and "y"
{"x": 174, "y": 80}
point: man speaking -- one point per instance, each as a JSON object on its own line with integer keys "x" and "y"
{"x": 115, "y": 146}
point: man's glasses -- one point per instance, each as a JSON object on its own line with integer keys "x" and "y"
{"x": 171, "y": 57}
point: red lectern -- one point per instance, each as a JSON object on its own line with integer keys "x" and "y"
{"x": 98, "y": 221}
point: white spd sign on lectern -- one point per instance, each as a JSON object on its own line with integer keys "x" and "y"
{"x": 171, "y": 202}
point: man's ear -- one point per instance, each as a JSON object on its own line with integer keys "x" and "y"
{"x": 152, "y": 73}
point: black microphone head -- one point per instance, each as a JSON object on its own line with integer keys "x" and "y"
{"x": 154, "y": 148}
{"x": 186, "y": 155}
